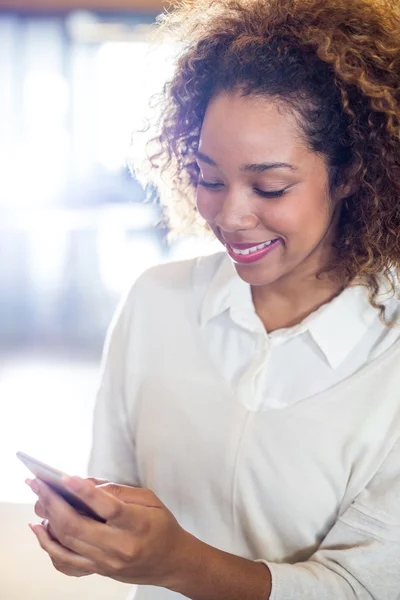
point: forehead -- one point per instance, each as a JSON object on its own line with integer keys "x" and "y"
{"x": 254, "y": 128}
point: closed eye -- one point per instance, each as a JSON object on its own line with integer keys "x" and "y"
{"x": 271, "y": 194}
{"x": 210, "y": 186}
{"x": 262, "y": 193}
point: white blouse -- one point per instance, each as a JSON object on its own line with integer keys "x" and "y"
{"x": 277, "y": 369}
{"x": 281, "y": 447}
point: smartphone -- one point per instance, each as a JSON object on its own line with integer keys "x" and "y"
{"x": 53, "y": 478}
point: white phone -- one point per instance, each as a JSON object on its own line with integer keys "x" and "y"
{"x": 53, "y": 478}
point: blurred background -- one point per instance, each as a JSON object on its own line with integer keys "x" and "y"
{"x": 76, "y": 80}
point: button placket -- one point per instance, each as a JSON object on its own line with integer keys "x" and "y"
{"x": 249, "y": 392}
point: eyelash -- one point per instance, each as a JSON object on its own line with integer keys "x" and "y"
{"x": 216, "y": 186}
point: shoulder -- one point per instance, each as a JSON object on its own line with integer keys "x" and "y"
{"x": 162, "y": 302}
{"x": 171, "y": 284}
{"x": 176, "y": 277}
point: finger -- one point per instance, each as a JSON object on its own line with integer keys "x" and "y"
{"x": 127, "y": 494}
{"x": 70, "y": 527}
{"x": 63, "y": 559}
{"x": 48, "y": 528}
{"x": 97, "y": 481}
{"x": 39, "y": 510}
{"x": 132, "y": 495}
{"x": 32, "y": 483}
{"x": 104, "y": 504}
{"x": 80, "y": 534}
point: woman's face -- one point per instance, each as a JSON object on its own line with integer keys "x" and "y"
{"x": 264, "y": 194}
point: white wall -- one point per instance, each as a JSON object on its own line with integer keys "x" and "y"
{"x": 27, "y": 573}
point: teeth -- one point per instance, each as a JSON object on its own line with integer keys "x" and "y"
{"x": 251, "y": 250}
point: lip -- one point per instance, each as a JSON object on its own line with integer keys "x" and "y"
{"x": 242, "y": 246}
{"x": 254, "y": 256}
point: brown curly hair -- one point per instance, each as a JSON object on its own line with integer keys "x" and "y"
{"x": 337, "y": 64}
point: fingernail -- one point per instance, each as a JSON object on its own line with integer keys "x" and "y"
{"x": 33, "y": 484}
{"x": 33, "y": 528}
{"x": 75, "y": 483}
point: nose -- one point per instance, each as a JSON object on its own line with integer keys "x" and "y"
{"x": 236, "y": 214}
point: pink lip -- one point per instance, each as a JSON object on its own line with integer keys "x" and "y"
{"x": 254, "y": 256}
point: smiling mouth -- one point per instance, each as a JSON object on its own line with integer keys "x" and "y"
{"x": 252, "y": 249}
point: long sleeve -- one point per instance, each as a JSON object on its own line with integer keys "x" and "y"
{"x": 360, "y": 557}
{"x": 113, "y": 449}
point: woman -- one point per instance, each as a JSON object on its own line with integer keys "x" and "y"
{"x": 255, "y": 393}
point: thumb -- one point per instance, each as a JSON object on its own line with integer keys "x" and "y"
{"x": 132, "y": 495}
{"x": 97, "y": 481}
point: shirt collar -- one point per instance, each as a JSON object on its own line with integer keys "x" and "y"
{"x": 339, "y": 325}
{"x": 226, "y": 292}
{"x": 336, "y": 327}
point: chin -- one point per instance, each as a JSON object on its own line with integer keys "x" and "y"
{"x": 256, "y": 275}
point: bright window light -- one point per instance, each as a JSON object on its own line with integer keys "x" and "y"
{"x": 123, "y": 256}
{"x": 128, "y": 75}
{"x": 191, "y": 247}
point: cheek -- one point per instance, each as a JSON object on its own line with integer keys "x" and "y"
{"x": 207, "y": 205}
{"x": 303, "y": 216}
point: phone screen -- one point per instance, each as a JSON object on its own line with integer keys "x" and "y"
{"x": 53, "y": 478}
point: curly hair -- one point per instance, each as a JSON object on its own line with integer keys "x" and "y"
{"x": 336, "y": 63}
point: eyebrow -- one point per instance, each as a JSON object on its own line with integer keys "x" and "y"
{"x": 252, "y": 168}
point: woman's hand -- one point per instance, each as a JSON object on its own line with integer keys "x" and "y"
{"x": 40, "y": 511}
{"x": 141, "y": 541}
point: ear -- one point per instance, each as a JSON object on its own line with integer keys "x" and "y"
{"x": 349, "y": 185}
{"x": 342, "y": 192}
{"x": 346, "y": 189}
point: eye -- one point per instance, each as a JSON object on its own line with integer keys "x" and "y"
{"x": 271, "y": 194}
{"x": 210, "y": 186}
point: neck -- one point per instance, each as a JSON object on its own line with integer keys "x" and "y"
{"x": 288, "y": 302}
